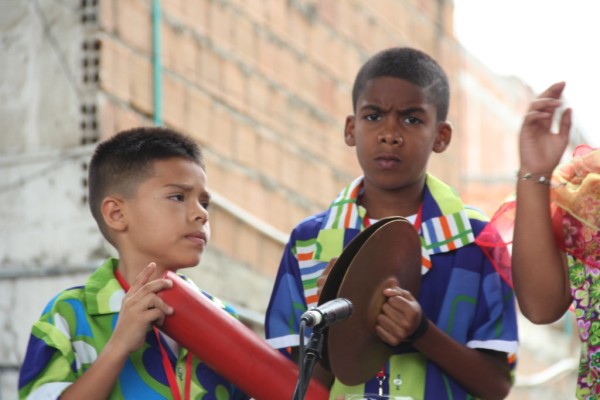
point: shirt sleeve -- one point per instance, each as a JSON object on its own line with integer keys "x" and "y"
{"x": 48, "y": 367}
{"x": 495, "y": 324}
{"x": 287, "y": 303}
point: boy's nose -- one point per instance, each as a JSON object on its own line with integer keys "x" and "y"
{"x": 200, "y": 213}
{"x": 391, "y": 138}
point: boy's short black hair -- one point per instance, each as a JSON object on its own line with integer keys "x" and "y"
{"x": 411, "y": 65}
{"x": 122, "y": 162}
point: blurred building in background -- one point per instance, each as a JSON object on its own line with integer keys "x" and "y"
{"x": 264, "y": 86}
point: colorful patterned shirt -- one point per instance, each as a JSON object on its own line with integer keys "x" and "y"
{"x": 74, "y": 328}
{"x": 461, "y": 292}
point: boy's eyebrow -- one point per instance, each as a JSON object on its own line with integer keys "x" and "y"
{"x": 409, "y": 110}
{"x": 188, "y": 188}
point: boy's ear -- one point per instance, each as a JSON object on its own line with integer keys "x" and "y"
{"x": 349, "y": 131}
{"x": 112, "y": 212}
{"x": 444, "y": 135}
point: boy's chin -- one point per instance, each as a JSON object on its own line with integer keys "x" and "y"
{"x": 188, "y": 263}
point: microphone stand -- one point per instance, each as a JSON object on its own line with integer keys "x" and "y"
{"x": 311, "y": 357}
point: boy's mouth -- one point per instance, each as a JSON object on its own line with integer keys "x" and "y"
{"x": 198, "y": 238}
{"x": 387, "y": 161}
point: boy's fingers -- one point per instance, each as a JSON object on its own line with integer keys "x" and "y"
{"x": 142, "y": 277}
{"x": 154, "y": 286}
{"x": 545, "y": 104}
{"x": 565, "y": 122}
{"x": 156, "y": 302}
{"x": 554, "y": 91}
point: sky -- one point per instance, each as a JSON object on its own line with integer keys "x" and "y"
{"x": 542, "y": 42}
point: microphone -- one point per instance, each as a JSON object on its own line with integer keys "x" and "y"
{"x": 328, "y": 313}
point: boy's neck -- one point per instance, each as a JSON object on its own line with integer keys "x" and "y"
{"x": 129, "y": 270}
{"x": 381, "y": 203}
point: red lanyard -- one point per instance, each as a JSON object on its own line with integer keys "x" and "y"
{"x": 165, "y": 357}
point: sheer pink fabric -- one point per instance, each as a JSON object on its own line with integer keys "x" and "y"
{"x": 575, "y": 210}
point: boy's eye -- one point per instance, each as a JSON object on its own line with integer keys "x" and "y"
{"x": 205, "y": 204}
{"x": 373, "y": 117}
{"x": 412, "y": 120}
{"x": 177, "y": 197}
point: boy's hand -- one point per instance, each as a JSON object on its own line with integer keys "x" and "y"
{"x": 399, "y": 317}
{"x": 141, "y": 307}
{"x": 540, "y": 149}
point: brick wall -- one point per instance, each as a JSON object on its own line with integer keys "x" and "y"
{"x": 265, "y": 87}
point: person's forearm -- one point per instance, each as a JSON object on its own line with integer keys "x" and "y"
{"x": 540, "y": 276}
{"x": 481, "y": 374}
{"x": 98, "y": 381}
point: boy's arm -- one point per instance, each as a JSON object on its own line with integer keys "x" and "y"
{"x": 540, "y": 274}
{"x": 484, "y": 374}
{"x": 141, "y": 307}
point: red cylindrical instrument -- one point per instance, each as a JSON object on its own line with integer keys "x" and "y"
{"x": 229, "y": 347}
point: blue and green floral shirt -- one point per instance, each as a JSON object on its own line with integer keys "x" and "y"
{"x": 74, "y": 328}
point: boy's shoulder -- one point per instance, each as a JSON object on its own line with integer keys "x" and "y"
{"x": 70, "y": 296}
{"x": 310, "y": 225}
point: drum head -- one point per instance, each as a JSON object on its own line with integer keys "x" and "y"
{"x": 386, "y": 254}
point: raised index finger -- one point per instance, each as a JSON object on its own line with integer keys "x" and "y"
{"x": 554, "y": 91}
{"x": 143, "y": 277}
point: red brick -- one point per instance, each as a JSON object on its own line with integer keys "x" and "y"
{"x": 223, "y": 228}
{"x": 186, "y": 61}
{"x": 291, "y": 169}
{"x": 257, "y": 97}
{"x": 298, "y": 29}
{"x": 126, "y": 119}
{"x": 174, "y": 100}
{"x": 346, "y": 21}
{"x": 114, "y": 68}
{"x": 211, "y": 68}
{"x": 234, "y": 84}
{"x": 267, "y": 56}
{"x": 141, "y": 83}
{"x": 269, "y": 157}
{"x": 328, "y": 11}
{"x": 270, "y": 257}
{"x": 319, "y": 37}
{"x": 107, "y": 15}
{"x": 196, "y": 16}
{"x": 279, "y": 209}
{"x": 277, "y": 108}
{"x": 257, "y": 10}
{"x": 198, "y": 115}
{"x": 168, "y": 41}
{"x": 221, "y": 138}
{"x": 246, "y": 145}
{"x": 107, "y": 118}
{"x": 220, "y": 24}
{"x": 175, "y": 9}
{"x": 248, "y": 243}
{"x": 134, "y": 24}
{"x": 288, "y": 70}
{"x": 254, "y": 198}
{"x": 217, "y": 175}
{"x": 245, "y": 39}
{"x": 277, "y": 17}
